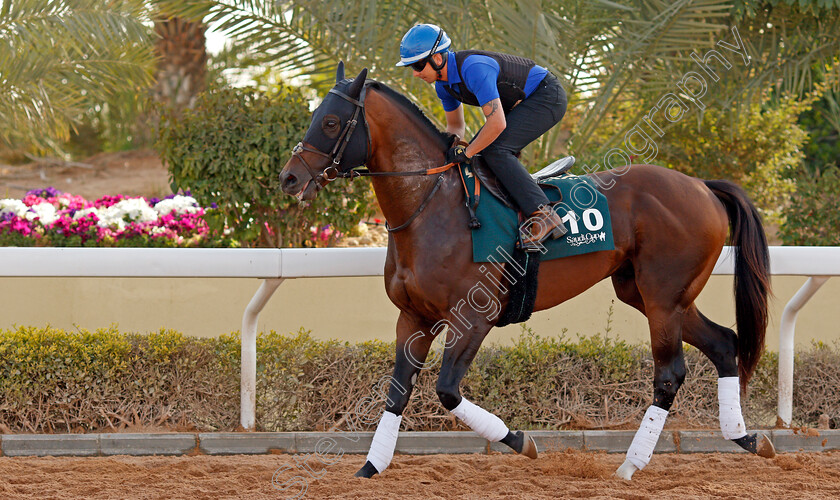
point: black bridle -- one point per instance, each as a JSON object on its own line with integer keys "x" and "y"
{"x": 334, "y": 171}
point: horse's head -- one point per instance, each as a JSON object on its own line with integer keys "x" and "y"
{"x": 337, "y": 141}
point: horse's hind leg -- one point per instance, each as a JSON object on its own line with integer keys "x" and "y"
{"x": 669, "y": 373}
{"x": 719, "y": 344}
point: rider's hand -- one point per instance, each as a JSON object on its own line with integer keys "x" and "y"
{"x": 457, "y": 154}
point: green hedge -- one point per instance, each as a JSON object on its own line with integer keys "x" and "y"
{"x": 813, "y": 215}
{"x": 82, "y": 381}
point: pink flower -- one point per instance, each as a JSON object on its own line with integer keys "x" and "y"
{"x": 21, "y": 226}
{"x": 31, "y": 200}
{"x": 107, "y": 201}
{"x": 68, "y": 201}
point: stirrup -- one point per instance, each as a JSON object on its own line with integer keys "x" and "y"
{"x": 547, "y": 214}
{"x": 537, "y": 246}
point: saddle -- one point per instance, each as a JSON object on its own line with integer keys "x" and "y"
{"x": 491, "y": 183}
{"x": 523, "y": 293}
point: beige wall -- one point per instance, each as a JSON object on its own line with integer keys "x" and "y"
{"x": 349, "y": 308}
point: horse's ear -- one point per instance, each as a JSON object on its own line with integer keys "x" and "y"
{"x": 339, "y": 72}
{"x": 356, "y": 87}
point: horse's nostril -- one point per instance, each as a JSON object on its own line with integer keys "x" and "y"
{"x": 288, "y": 180}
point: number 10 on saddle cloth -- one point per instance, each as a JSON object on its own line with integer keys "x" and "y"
{"x": 584, "y": 210}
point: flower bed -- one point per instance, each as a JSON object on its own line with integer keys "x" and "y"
{"x": 49, "y": 217}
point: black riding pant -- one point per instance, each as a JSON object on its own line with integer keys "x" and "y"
{"x": 530, "y": 119}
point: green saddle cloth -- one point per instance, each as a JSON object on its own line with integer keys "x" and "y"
{"x": 584, "y": 209}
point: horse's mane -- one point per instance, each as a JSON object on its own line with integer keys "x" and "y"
{"x": 444, "y": 137}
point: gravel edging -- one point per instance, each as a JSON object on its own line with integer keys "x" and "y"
{"x": 408, "y": 443}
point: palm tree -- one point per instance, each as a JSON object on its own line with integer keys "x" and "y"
{"x": 182, "y": 62}
{"x": 57, "y": 56}
{"x": 615, "y": 58}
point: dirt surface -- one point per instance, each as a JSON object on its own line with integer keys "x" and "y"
{"x": 132, "y": 173}
{"x": 572, "y": 474}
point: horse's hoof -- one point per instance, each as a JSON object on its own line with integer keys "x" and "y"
{"x": 521, "y": 443}
{"x": 626, "y": 471}
{"x": 765, "y": 448}
{"x": 529, "y": 447}
{"x": 760, "y": 445}
{"x": 367, "y": 471}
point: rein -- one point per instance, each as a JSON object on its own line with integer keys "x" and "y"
{"x": 333, "y": 172}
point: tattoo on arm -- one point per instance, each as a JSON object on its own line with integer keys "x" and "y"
{"x": 490, "y": 108}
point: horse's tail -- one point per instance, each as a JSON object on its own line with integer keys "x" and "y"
{"x": 752, "y": 274}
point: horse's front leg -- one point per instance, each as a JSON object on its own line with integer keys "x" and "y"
{"x": 457, "y": 357}
{"x": 414, "y": 338}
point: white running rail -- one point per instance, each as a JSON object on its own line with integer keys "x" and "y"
{"x": 275, "y": 265}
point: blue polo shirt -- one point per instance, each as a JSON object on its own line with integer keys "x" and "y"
{"x": 480, "y": 76}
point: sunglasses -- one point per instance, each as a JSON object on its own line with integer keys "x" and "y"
{"x": 419, "y": 65}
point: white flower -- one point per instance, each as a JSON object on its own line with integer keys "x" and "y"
{"x": 136, "y": 209}
{"x": 16, "y": 207}
{"x": 45, "y": 212}
{"x": 179, "y": 204}
{"x": 84, "y": 212}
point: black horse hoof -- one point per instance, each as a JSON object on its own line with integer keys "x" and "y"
{"x": 521, "y": 443}
{"x": 367, "y": 471}
{"x": 529, "y": 447}
{"x": 765, "y": 448}
{"x": 762, "y": 447}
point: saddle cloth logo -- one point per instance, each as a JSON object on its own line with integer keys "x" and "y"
{"x": 586, "y": 239}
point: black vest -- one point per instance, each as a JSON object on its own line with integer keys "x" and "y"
{"x": 513, "y": 73}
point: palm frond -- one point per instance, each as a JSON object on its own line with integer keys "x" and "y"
{"x": 57, "y": 55}
{"x": 611, "y": 55}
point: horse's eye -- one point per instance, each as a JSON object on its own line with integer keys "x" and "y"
{"x": 330, "y": 125}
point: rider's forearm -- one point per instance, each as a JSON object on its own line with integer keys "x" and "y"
{"x": 455, "y": 123}
{"x": 491, "y": 130}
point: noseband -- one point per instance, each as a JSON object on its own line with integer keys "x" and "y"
{"x": 332, "y": 172}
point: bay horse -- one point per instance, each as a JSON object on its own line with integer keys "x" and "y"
{"x": 669, "y": 230}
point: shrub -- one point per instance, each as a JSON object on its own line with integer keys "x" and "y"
{"x": 757, "y": 148}
{"x": 230, "y": 149}
{"x": 57, "y": 381}
{"x": 813, "y": 215}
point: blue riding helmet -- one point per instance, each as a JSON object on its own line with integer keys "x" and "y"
{"x": 420, "y": 42}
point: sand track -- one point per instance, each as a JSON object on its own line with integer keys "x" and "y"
{"x": 572, "y": 474}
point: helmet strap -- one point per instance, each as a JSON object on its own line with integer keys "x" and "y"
{"x": 432, "y": 54}
{"x": 437, "y": 67}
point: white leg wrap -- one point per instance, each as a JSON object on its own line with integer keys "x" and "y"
{"x": 384, "y": 441}
{"x": 484, "y": 423}
{"x": 729, "y": 400}
{"x": 646, "y": 437}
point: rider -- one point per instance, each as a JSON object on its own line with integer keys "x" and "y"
{"x": 520, "y": 100}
